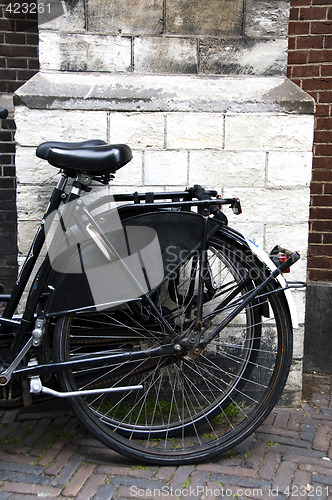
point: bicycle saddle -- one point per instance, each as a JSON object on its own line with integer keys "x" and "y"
{"x": 91, "y": 158}
{"x": 43, "y": 149}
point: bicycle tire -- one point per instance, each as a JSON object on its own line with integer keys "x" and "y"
{"x": 189, "y": 411}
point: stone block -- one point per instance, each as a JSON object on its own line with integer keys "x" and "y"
{"x": 195, "y": 130}
{"x": 268, "y": 132}
{"x": 77, "y": 52}
{"x": 162, "y": 167}
{"x": 243, "y": 57}
{"x": 32, "y": 170}
{"x": 271, "y": 206}
{"x": 167, "y": 93}
{"x": 26, "y": 232}
{"x": 126, "y": 16}
{"x": 214, "y": 18}
{"x": 35, "y": 126}
{"x": 31, "y": 203}
{"x": 227, "y": 168}
{"x": 60, "y": 16}
{"x": 266, "y": 18}
{"x": 289, "y": 168}
{"x": 138, "y": 130}
{"x": 165, "y": 55}
{"x": 131, "y": 174}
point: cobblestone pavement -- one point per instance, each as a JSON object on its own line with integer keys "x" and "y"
{"x": 45, "y": 452}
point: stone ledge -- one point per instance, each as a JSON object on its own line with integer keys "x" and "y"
{"x": 163, "y": 93}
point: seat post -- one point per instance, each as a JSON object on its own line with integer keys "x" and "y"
{"x": 82, "y": 182}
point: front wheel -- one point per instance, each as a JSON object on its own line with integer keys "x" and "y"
{"x": 187, "y": 411}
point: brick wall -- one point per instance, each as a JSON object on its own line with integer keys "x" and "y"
{"x": 18, "y": 62}
{"x": 310, "y": 67}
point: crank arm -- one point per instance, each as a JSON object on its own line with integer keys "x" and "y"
{"x": 6, "y": 375}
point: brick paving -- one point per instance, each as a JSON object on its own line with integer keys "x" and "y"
{"x": 46, "y": 452}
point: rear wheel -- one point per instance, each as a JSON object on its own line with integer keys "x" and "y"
{"x": 187, "y": 410}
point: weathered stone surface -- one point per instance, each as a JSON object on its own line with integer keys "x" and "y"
{"x": 63, "y": 16}
{"x": 161, "y": 166}
{"x": 126, "y": 16}
{"x": 225, "y": 168}
{"x": 266, "y": 18}
{"x": 76, "y": 52}
{"x": 296, "y": 165}
{"x": 194, "y": 17}
{"x": 61, "y": 126}
{"x": 243, "y": 57}
{"x": 131, "y": 174}
{"x": 195, "y": 130}
{"x": 254, "y": 132}
{"x": 130, "y": 92}
{"x": 140, "y": 130}
{"x": 269, "y": 205}
{"x": 32, "y": 170}
{"x": 165, "y": 55}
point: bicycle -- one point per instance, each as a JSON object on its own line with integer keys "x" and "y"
{"x": 190, "y": 348}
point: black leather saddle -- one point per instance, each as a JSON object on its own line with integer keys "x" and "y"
{"x": 93, "y": 157}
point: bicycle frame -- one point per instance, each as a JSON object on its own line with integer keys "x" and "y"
{"x": 192, "y": 342}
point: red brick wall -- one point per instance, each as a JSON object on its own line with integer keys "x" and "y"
{"x": 18, "y": 47}
{"x": 18, "y": 63}
{"x": 310, "y": 67}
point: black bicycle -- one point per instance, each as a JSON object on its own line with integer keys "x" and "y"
{"x": 169, "y": 333}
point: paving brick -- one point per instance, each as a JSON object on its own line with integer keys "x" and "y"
{"x": 308, "y": 429}
{"x": 78, "y": 480}
{"x": 134, "y": 471}
{"x": 321, "y": 439}
{"x": 50, "y": 455}
{"x": 165, "y": 473}
{"x": 181, "y": 475}
{"x": 15, "y": 457}
{"x": 20, "y": 477}
{"x": 269, "y": 464}
{"x": 91, "y": 486}
{"x": 61, "y": 460}
{"x": 68, "y": 470}
{"x": 284, "y": 476}
{"x": 256, "y": 454}
{"x": 300, "y": 481}
{"x": 281, "y": 439}
{"x": 36, "y": 489}
{"x": 318, "y": 467}
{"x": 105, "y": 492}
